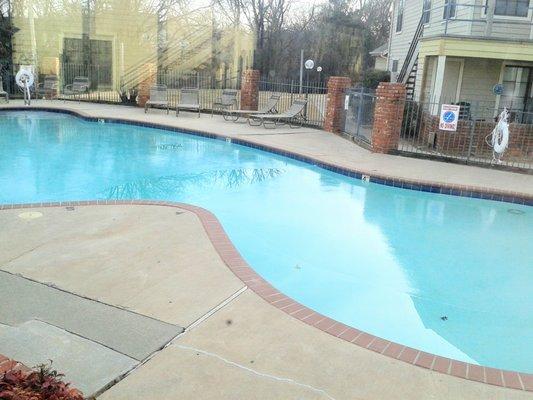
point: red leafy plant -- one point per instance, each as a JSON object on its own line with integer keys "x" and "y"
{"x": 43, "y": 383}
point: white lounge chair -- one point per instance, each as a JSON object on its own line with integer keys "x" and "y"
{"x": 158, "y": 98}
{"x": 295, "y": 113}
{"x": 79, "y": 86}
{"x": 226, "y": 101}
{"x": 189, "y": 101}
{"x": 3, "y": 93}
{"x": 48, "y": 87}
{"x": 269, "y": 108}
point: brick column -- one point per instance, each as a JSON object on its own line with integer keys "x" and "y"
{"x": 147, "y": 79}
{"x": 388, "y": 117}
{"x": 250, "y": 89}
{"x": 337, "y": 86}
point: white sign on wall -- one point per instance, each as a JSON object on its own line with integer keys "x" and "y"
{"x": 449, "y": 115}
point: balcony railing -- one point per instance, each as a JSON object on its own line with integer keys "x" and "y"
{"x": 476, "y": 20}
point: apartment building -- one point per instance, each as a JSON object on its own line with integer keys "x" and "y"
{"x": 472, "y": 52}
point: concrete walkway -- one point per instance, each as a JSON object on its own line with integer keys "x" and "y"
{"x": 158, "y": 263}
{"x": 315, "y": 143}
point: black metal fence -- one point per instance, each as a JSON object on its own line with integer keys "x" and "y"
{"x": 471, "y": 142}
{"x": 421, "y": 136}
{"x": 314, "y": 92}
{"x": 105, "y": 87}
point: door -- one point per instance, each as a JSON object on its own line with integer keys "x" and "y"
{"x": 451, "y": 84}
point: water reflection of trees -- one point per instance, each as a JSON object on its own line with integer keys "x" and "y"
{"x": 164, "y": 186}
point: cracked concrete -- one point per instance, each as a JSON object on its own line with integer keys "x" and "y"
{"x": 236, "y": 346}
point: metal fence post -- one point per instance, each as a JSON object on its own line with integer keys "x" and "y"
{"x": 471, "y": 143}
{"x": 359, "y": 111}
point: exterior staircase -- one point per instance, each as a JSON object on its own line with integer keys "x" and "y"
{"x": 409, "y": 68}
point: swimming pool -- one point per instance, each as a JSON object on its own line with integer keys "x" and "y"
{"x": 448, "y": 275}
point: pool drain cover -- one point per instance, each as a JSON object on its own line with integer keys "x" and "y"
{"x": 515, "y": 211}
{"x": 30, "y": 215}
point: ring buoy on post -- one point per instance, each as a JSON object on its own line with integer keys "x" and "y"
{"x": 25, "y": 80}
{"x": 500, "y": 136}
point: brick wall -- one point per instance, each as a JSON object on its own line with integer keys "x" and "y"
{"x": 457, "y": 143}
{"x": 147, "y": 80}
{"x": 250, "y": 89}
{"x": 388, "y": 116}
{"x": 337, "y": 86}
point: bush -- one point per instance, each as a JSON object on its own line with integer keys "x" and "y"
{"x": 372, "y": 78}
{"x": 41, "y": 384}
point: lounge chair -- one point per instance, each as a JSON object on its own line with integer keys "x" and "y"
{"x": 293, "y": 114}
{"x": 226, "y": 101}
{"x": 158, "y": 98}
{"x": 49, "y": 87}
{"x": 79, "y": 86}
{"x": 269, "y": 108}
{"x": 3, "y": 93}
{"x": 189, "y": 101}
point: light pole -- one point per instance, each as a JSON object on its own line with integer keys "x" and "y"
{"x": 309, "y": 65}
{"x": 319, "y": 70}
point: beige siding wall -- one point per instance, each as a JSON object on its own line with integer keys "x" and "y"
{"x": 503, "y": 27}
{"x": 479, "y": 76}
{"x": 401, "y": 41}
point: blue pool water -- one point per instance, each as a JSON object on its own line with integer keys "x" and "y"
{"x": 385, "y": 260}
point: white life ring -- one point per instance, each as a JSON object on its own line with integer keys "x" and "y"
{"x": 24, "y": 78}
{"x": 500, "y": 134}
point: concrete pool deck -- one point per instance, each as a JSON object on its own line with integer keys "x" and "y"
{"x": 235, "y": 344}
{"x": 180, "y": 281}
{"x": 317, "y": 144}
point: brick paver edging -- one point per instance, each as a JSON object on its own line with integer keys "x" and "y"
{"x": 382, "y": 179}
{"x": 234, "y": 261}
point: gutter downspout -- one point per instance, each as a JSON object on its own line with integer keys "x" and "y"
{"x": 390, "y": 37}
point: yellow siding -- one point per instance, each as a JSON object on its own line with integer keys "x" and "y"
{"x": 477, "y": 48}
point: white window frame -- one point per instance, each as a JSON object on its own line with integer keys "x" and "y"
{"x": 429, "y": 11}
{"x": 511, "y": 17}
{"x": 402, "y": 9}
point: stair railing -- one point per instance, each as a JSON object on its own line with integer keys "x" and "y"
{"x": 411, "y": 52}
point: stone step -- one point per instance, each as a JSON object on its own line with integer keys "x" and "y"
{"x": 88, "y": 365}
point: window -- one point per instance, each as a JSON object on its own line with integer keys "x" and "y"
{"x": 399, "y": 16}
{"x": 512, "y": 8}
{"x": 426, "y": 11}
{"x": 518, "y": 93}
{"x": 100, "y": 57}
{"x": 449, "y": 9}
{"x": 394, "y": 65}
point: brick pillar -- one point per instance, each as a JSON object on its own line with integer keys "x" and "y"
{"x": 337, "y": 86}
{"x": 250, "y": 89}
{"x": 388, "y": 117}
{"x": 147, "y": 79}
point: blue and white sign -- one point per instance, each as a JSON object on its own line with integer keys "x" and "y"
{"x": 497, "y": 89}
{"x": 449, "y": 115}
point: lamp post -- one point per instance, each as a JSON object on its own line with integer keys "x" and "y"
{"x": 319, "y": 70}
{"x": 309, "y": 65}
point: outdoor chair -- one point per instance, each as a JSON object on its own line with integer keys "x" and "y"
{"x": 49, "y": 87}
{"x": 3, "y": 93}
{"x": 189, "y": 101}
{"x": 293, "y": 115}
{"x": 269, "y": 108}
{"x": 79, "y": 86}
{"x": 226, "y": 101}
{"x": 158, "y": 98}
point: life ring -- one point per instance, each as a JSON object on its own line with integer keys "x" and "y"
{"x": 500, "y": 134}
{"x": 24, "y": 78}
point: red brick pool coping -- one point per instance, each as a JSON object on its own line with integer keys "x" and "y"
{"x": 234, "y": 261}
